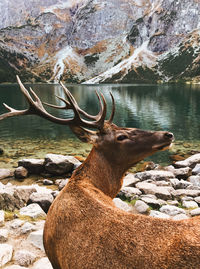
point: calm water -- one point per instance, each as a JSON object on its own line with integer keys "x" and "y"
{"x": 156, "y": 107}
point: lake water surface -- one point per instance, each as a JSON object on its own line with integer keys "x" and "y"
{"x": 172, "y": 107}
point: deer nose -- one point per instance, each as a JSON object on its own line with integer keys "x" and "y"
{"x": 169, "y": 135}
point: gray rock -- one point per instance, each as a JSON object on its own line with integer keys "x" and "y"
{"x": 47, "y": 182}
{"x": 157, "y": 214}
{"x": 175, "y": 183}
{"x": 195, "y": 212}
{"x": 181, "y": 173}
{"x": 60, "y": 164}
{"x": 171, "y": 210}
{"x": 24, "y": 258}
{"x": 9, "y": 199}
{"x": 196, "y": 169}
{"x": 6, "y": 252}
{"x": 44, "y": 200}
{"x": 189, "y": 162}
{"x": 155, "y": 175}
{"x": 173, "y": 202}
{"x": 42, "y": 263}
{"x": 187, "y": 198}
{"x": 160, "y": 192}
{"x": 4, "y": 173}
{"x": 129, "y": 193}
{"x": 27, "y": 227}
{"x": 141, "y": 207}
{"x": 3, "y": 235}
{"x": 17, "y": 223}
{"x": 195, "y": 180}
{"x": 21, "y": 173}
{"x": 163, "y": 183}
{"x": 189, "y": 204}
{"x": 55, "y": 193}
{"x": 34, "y": 166}
{"x": 36, "y": 239}
{"x": 154, "y": 203}
{"x": 63, "y": 183}
{"x": 122, "y": 205}
{"x": 33, "y": 210}
{"x": 197, "y": 199}
{"x": 180, "y": 217}
{"x": 24, "y": 192}
{"x": 2, "y": 218}
{"x": 186, "y": 192}
{"x": 130, "y": 180}
{"x": 184, "y": 184}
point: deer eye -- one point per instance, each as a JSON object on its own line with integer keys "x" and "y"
{"x": 122, "y": 137}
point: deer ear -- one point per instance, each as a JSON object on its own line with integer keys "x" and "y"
{"x": 85, "y": 135}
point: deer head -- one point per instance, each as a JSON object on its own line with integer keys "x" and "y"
{"x": 120, "y": 146}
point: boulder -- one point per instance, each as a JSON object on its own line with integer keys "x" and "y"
{"x": 171, "y": 210}
{"x": 21, "y": 173}
{"x": 60, "y": 164}
{"x": 24, "y": 258}
{"x": 6, "y": 252}
{"x": 33, "y": 210}
{"x": 34, "y": 166}
{"x": 44, "y": 200}
{"x": 155, "y": 175}
{"x": 189, "y": 162}
{"x": 4, "y": 173}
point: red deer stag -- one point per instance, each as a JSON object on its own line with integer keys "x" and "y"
{"x": 84, "y": 229}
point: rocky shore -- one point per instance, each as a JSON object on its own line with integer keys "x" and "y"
{"x": 171, "y": 192}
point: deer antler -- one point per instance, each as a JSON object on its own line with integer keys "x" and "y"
{"x": 36, "y": 107}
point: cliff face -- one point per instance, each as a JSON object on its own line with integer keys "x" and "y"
{"x": 100, "y": 41}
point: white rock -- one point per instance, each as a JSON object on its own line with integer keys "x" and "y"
{"x": 159, "y": 192}
{"x": 27, "y": 227}
{"x": 156, "y": 175}
{"x": 186, "y": 192}
{"x": 130, "y": 192}
{"x": 141, "y": 207}
{"x": 171, "y": 210}
{"x": 197, "y": 199}
{"x": 15, "y": 266}
{"x": 195, "y": 212}
{"x": 33, "y": 211}
{"x": 4, "y": 173}
{"x": 3, "y": 235}
{"x": 43, "y": 263}
{"x": 2, "y": 217}
{"x": 122, "y": 205}
{"x": 15, "y": 224}
{"x": 190, "y": 204}
{"x": 130, "y": 180}
{"x": 36, "y": 239}
{"x": 157, "y": 214}
{"x": 196, "y": 169}
{"x": 180, "y": 217}
{"x": 24, "y": 257}
{"x": 195, "y": 180}
{"x": 191, "y": 161}
{"x": 6, "y": 252}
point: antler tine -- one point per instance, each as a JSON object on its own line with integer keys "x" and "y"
{"x": 113, "y": 109}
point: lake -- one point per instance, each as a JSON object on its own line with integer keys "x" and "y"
{"x": 171, "y": 107}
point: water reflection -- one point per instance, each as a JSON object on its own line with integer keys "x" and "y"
{"x": 155, "y": 107}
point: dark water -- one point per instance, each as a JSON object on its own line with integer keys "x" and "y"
{"x": 156, "y": 107}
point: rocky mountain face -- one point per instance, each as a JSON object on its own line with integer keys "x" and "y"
{"x": 97, "y": 41}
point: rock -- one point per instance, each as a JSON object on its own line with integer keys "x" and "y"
{"x": 163, "y": 183}
{"x": 189, "y": 162}
{"x": 130, "y": 180}
{"x": 196, "y": 169}
{"x": 24, "y": 192}
{"x": 173, "y": 202}
{"x": 122, "y": 205}
{"x": 187, "y": 198}
{"x": 33, "y": 210}
{"x": 47, "y": 182}
{"x": 175, "y": 183}
{"x": 181, "y": 173}
{"x": 180, "y": 217}
{"x": 42, "y": 263}
{"x": 5, "y": 254}
{"x": 24, "y": 257}
{"x": 189, "y": 204}
{"x": 184, "y": 184}
{"x": 55, "y": 194}
{"x": 21, "y": 173}
{"x": 15, "y": 224}
{"x": 154, "y": 203}
{"x": 157, "y": 214}
{"x": 3, "y": 235}
{"x": 36, "y": 239}
{"x": 155, "y": 175}
{"x": 14, "y": 266}
{"x": 141, "y": 207}
{"x": 63, "y": 183}
{"x": 195, "y": 180}
{"x": 171, "y": 210}
{"x": 195, "y": 212}
{"x": 60, "y": 164}
{"x": 9, "y": 199}
{"x": 129, "y": 193}
{"x": 186, "y": 192}
{"x": 27, "y": 227}
{"x": 197, "y": 199}
{"x": 2, "y": 218}
{"x": 160, "y": 192}
{"x": 34, "y": 166}
{"x": 4, "y": 173}
{"x": 44, "y": 200}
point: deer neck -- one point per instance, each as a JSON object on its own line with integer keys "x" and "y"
{"x": 101, "y": 173}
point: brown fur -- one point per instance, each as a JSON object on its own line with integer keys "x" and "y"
{"x": 84, "y": 229}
